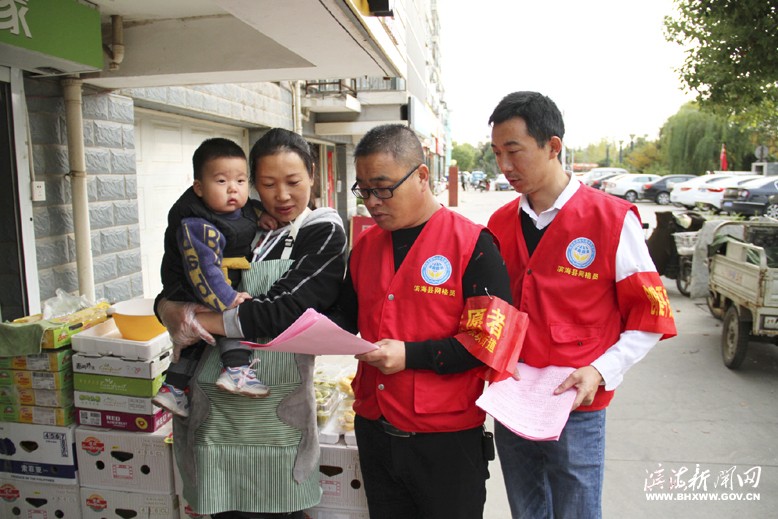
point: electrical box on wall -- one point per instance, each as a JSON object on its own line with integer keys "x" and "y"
{"x": 38, "y": 191}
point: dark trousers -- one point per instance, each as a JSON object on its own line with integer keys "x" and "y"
{"x": 424, "y": 476}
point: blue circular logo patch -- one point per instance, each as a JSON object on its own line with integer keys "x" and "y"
{"x": 436, "y": 270}
{"x": 581, "y": 252}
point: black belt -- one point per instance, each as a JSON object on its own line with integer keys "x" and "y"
{"x": 391, "y": 430}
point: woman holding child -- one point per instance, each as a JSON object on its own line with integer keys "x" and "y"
{"x": 258, "y": 457}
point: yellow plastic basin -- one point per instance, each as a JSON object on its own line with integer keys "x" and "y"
{"x": 136, "y": 321}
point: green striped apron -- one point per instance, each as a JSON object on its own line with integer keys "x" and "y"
{"x": 251, "y": 454}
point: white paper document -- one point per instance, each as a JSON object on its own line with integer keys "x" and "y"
{"x": 529, "y": 407}
{"x": 316, "y": 334}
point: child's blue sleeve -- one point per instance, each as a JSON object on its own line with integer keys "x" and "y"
{"x": 201, "y": 245}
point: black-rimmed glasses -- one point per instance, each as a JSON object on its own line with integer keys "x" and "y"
{"x": 380, "y": 192}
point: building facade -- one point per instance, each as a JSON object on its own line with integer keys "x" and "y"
{"x": 100, "y": 131}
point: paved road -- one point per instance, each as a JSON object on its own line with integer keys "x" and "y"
{"x": 682, "y": 426}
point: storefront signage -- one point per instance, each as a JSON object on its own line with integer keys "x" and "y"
{"x": 63, "y": 29}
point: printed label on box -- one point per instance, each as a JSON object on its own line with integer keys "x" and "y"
{"x": 47, "y": 361}
{"x": 38, "y": 415}
{"x": 116, "y": 366}
{"x": 122, "y": 471}
{"x": 92, "y": 445}
{"x": 108, "y": 402}
{"x": 126, "y": 421}
{"x": 118, "y": 385}
{"x": 36, "y": 379}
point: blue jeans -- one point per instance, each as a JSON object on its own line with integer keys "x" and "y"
{"x": 555, "y": 479}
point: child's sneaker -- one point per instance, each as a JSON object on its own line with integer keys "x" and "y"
{"x": 172, "y": 399}
{"x": 242, "y": 381}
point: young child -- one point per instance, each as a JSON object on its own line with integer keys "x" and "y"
{"x": 207, "y": 244}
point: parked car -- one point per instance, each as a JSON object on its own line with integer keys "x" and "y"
{"x": 710, "y": 195}
{"x": 630, "y": 186}
{"x": 753, "y": 197}
{"x": 597, "y": 183}
{"x": 501, "y": 183}
{"x": 595, "y": 173}
{"x": 685, "y": 193}
{"x": 772, "y": 207}
{"x": 659, "y": 190}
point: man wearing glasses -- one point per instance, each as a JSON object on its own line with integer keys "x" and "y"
{"x": 422, "y": 446}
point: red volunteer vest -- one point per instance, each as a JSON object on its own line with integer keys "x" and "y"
{"x": 568, "y": 286}
{"x": 420, "y": 301}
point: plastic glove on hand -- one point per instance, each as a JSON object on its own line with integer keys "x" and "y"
{"x": 180, "y": 319}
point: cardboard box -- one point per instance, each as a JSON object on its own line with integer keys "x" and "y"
{"x": 124, "y": 421}
{"x": 55, "y": 360}
{"x": 99, "y": 503}
{"x": 109, "y": 402}
{"x": 117, "y": 385}
{"x": 42, "y": 453}
{"x": 186, "y": 512}
{"x": 36, "y": 379}
{"x": 105, "y": 339}
{"x": 37, "y": 414}
{"x": 60, "y": 330}
{"x": 94, "y": 364}
{"x": 26, "y": 499}
{"x": 341, "y": 478}
{"x": 335, "y": 513}
{"x": 127, "y": 461}
{"x": 41, "y": 397}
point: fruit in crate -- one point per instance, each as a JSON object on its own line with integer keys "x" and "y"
{"x": 327, "y": 399}
{"x": 346, "y": 420}
{"x": 344, "y": 385}
{"x": 323, "y": 394}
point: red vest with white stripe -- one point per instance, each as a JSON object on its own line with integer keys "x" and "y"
{"x": 421, "y": 301}
{"x": 568, "y": 286}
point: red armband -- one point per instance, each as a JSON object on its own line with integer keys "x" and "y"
{"x": 645, "y": 305}
{"x": 493, "y": 332}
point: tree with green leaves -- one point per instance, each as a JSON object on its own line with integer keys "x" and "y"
{"x": 645, "y": 158}
{"x": 472, "y": 158}
{"x": 731, "y": 58}
{"x": 486, "y": 161}
{"x": 690, "y": 142}
{"x": 465, "y": 155}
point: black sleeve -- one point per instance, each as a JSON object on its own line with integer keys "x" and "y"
{"x": 485, "y": 274}
{"x": 345, "y": 312}
{"x": 313, "y": 281}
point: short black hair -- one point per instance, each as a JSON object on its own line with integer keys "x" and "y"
{"x": 397, "y": 140}
{"x": 211, "y": 149}
{"x": 279, "y": 140}
{"x": 540, "y": 114}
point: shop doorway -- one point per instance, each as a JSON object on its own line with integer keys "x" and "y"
{"x": 13, "y": 296}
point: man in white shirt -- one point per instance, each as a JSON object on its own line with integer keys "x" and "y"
{"x": 580, "y": 269}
